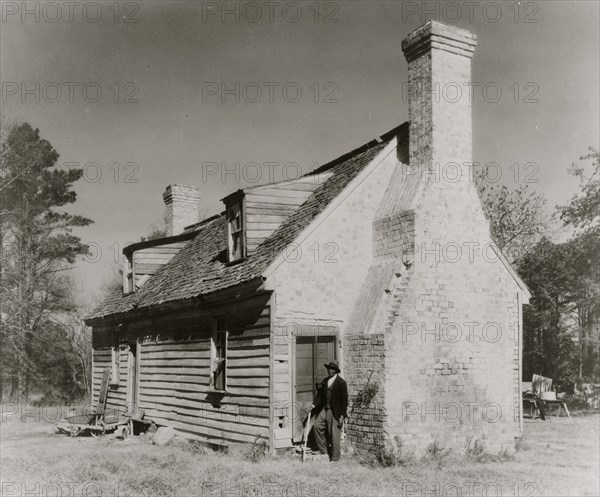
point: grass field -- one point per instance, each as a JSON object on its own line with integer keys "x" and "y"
{"x": 557, "y": 458}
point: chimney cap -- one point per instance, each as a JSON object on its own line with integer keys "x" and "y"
{"x": 190, "y": 192}
{"x": 434, "y": 34}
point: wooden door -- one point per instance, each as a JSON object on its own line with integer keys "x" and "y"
{"x": 132, "y": 377}
{"x": 312, "y": 353}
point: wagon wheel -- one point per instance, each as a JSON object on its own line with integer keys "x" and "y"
{"x": 74, "y": 431}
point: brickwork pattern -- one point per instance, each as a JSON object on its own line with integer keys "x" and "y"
{"x": 393, "y": 235}
{"x": 451, "y": 342}
{"x": 365, "y": 363}
{"x": 448, "y": 320}
{"x": 182, "y": 207}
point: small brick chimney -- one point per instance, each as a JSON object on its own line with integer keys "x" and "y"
{"x": 439, "y": 103}
{"x": 182, "y": 207}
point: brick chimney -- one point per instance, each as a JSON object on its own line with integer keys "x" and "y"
{"x": 439, "y": 105}
{"x": 182, "y": 207}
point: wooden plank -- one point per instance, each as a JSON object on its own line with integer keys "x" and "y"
{"x": 247, "y": 362}
{"x": 148, "y": 370}
{"x": 230, "y": 427}
{"x": 281, "y": 368}
{"x": 215, "y": 435}
{"x": 281, "y": 396}
{"x": 261, "y": 216}
{"x": 278, "y": 208}
{"x": 175, "y": 387}
{"x": 306, "y": 186}
{"x": 179, "y": 378}
{"x": 254, "y": 225}
{"x": 247, "y": 372}
{"x": 142, "y": 269}
{"x": 248, "y": 352}
{"x": 240, "y": 342}
{"x": 102, "y": 355}
{"x": 204, "y": 410}
{"x": 275, "y": 199}
{"x": 248, "y": 382}
{"x": 272, "y": 191}
{"x": 245, "y": 394}
{"x": 175, "y": 346}
{"x": 226, "y": 413}
{"x": 279, "y": 386}
{"x": 176, "y": 354}
{"x": 281, "y": 348}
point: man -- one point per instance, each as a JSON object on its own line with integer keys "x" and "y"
{"x": 330, "y": 407}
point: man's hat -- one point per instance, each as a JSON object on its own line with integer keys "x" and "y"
{"x": 333, "y": 365}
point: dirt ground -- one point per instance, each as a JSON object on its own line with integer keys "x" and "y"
{"x": 557, "y": 458}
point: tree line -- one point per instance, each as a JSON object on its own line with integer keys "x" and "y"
{"x": 561, "y": 324}
{"x": 44, "y": 345}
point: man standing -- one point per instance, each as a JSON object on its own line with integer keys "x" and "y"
{"x": 330, "y": 405}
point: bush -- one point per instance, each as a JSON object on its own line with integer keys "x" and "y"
{"x": 475, "y": 450}
{"x": 436, "y": 453}
{"x": 259, "y": 450}
{"x": 389, "y": 454}
{"x": 366, "y": 394}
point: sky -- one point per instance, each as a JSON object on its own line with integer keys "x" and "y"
{"x": 227, "y": 94}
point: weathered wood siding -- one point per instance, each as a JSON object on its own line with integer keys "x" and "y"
{"x": 270, "y": 205}
{"x": 174, "y": 371}
{"x": 148, "y": 261}
{"x": 117, "y": 396}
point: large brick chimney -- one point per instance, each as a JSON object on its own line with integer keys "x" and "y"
{"x": 439, "y": 327}
{"x": 439, "y": 106}
{"x": 182, "y": 207}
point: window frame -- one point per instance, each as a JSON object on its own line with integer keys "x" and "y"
{"x": 219, "y": 339}
{"x": 239, "y": 234}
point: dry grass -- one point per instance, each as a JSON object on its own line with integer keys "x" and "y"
{"x": 556, "y": 459}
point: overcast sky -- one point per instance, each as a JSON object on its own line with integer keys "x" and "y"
{"x": 161, "y": 116}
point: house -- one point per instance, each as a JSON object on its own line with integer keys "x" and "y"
{"x": 381, "y": 259}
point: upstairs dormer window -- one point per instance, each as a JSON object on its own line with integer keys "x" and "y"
{"x": 235, "y": 228}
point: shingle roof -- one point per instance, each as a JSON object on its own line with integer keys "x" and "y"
{"x": 200, "y": 267}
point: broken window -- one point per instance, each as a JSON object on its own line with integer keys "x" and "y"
{"x": 236, "y": 230}
{"x": 218, "y": 349}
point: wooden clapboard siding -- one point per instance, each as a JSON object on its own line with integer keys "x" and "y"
{"x": 174, "y": 371}
{"x": 117, "y": 395}
{"x": 147, "y": 261}
{"x": 270, "y": 205}
{"x": 101, "y": 359}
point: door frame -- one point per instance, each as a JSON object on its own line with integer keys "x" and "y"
{"x": 133, "y": 363}
{"x": 329, "y": 330}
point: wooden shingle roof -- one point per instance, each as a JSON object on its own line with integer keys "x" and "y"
{"x": 200, "y": 268}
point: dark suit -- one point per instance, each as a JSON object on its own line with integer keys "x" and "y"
{"x": 339, "y": 397}
{"x": 327, "y": 428}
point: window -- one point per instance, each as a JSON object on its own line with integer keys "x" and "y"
{"x": 236, "y": 230}
{"x": 218, "y": 356}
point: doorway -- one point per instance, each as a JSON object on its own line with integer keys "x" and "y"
{"x": 133, "y": 374}
{"x": 312, "y": 353}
